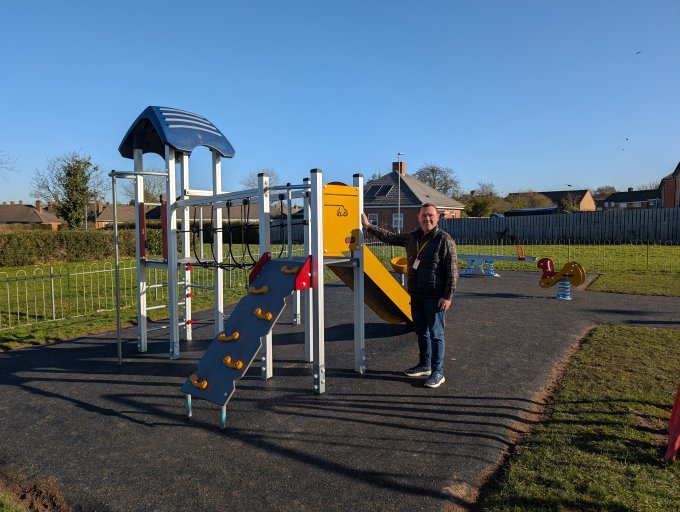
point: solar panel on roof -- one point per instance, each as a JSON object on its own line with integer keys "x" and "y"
{"x": 373, "y": 190}
{"x": 384, "y": 190}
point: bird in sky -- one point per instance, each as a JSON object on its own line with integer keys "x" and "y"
{"x": 638, "y": 52}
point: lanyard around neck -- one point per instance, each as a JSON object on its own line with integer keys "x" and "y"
{"x": 419, "y": 248}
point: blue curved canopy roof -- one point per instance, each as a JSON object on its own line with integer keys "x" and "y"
{"x": 157, "y": 127}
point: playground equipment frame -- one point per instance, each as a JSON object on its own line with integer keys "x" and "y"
{"x": 178, "y": 204}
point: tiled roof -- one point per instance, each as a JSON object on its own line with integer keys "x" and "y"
{"x": 413, "y": 193}
{"x": 25, "y": 214}
{"x": 634, "y": 196}
{"x": 555, "y": 196}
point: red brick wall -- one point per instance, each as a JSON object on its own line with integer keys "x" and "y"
{"x": 668, "y": 189}
{"x": 410, "y": 214}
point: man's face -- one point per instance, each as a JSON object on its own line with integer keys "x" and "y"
{"x": 428, "y": 218}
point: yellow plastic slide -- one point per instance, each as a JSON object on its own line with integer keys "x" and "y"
{"x": 382, "y": 292}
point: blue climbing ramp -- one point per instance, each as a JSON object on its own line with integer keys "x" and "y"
{"x": 230, "y": 354}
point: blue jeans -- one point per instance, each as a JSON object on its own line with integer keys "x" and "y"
{"x": 428, "y": 323}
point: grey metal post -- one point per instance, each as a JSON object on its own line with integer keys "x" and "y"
{"x": 218, "y": 276}
{"x": 139, "y": 252}
{"x": 116, "y": 264}
{"x": 54, "y": 309}
{"x": 267, "y": 368}
{"x": 171, "y": 233}
{"x": 359, "y": 320}
{"x": 318, "y": 340}
{"x": 186, "y": 249}
{"x": 309, "y": 307}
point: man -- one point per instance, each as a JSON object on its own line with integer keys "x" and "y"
{"x": 431, "y": 281}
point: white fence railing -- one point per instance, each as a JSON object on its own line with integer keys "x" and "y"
{"x": 51, "y": 294}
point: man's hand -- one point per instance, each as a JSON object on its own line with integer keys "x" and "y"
{"x": 364, "y": 220}
{"x": 444, "y": 304}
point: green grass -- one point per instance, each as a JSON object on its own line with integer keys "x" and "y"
{"x": 85, "y": 300}
{"x": 602, "y": 445}
{"x": 638, "y": 283}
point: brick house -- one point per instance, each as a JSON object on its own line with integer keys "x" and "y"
{"x": 580, "y": 199}
{"x": 22, "y": 215}
{"x": 396, "y": 197}
{"x": 669, "y": 189}
{"x": 633, "y": 199}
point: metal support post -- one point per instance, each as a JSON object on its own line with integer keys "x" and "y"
{"x": 116, "y": 264}
{"x": 188, "y": 407}
{"x": 267, "y": 368}
{"x": 186, "y": 246}
{"x": 309, "y": 307}
{"x": 223, "y": 417}
{"x": 218, "y": 244}
{"x": 289, "y": 234}
{"x": 318, "y": 340}
{"x": 139, "y": 253}
{"x": 359, "y": 321}
{"x": 171, "y": 232}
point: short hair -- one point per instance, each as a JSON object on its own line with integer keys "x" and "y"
{"x": 427, "y": 205}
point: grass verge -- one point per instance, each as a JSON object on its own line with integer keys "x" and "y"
{"x": 601, "y": 446}
{"x": 638, "y": 283}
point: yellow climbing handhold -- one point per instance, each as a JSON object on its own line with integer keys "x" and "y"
{"x": 287, "y": 270}
{"x": 231, "y": 337}
{"x": 257, "y": 291}
{"x": 200, "y": 384}
{"x": 262, "y": 316}
{"x": 236, "y": 365}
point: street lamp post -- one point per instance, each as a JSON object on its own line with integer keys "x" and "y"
{"x": 399, "y": 155}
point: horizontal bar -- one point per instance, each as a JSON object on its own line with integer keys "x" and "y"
{"x": 132, "y": 174}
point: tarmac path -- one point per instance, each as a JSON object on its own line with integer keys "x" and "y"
{"x": 116, "y": 437}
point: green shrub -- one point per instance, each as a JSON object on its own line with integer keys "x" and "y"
{"x": 32, "y": 247}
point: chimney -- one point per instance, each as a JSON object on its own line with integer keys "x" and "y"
{"x": 630, "y": 189}
{"x": 396, "y": 167}
{"x": 38, "y": 206}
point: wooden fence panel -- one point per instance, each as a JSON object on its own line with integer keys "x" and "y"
{"x": 629, "y": 226}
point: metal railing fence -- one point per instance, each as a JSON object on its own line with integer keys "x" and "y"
{"x": 50, "y": 294}
{"x": 55, "y": 293}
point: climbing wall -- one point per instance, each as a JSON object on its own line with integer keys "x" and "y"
{"x": 230, "y": 354}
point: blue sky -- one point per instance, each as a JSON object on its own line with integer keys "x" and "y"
{"x": 522, "y": 94}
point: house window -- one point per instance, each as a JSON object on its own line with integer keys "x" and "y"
{"x": 373, "y": 218}
{"x": 637, "y": 204}
{"x": 397, "y": 220}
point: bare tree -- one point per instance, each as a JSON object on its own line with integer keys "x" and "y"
{"x": 154, "y": 186}
{"x": 485, "y": 188}
{"x": 603, "y": 191}
{"x": 6, "y": 163}
{"x": 442, "y": 179}
{"x": 374, "y": 176}
{"x": 652, "y": 185}
{"x": 250, "y": 180}
{"x": 71, "y": 182}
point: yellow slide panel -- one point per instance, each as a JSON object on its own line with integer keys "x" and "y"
{"x": 382, "y": 292}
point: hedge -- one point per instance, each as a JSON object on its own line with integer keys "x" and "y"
{"x": 38, "y": 246}
{"x": 32, "y": 247}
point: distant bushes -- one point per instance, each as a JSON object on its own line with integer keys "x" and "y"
{"x": 32, "y": 247}
{"x": 37, "y": 246}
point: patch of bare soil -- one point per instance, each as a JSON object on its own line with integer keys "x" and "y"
{"x": 33, "y": 494}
